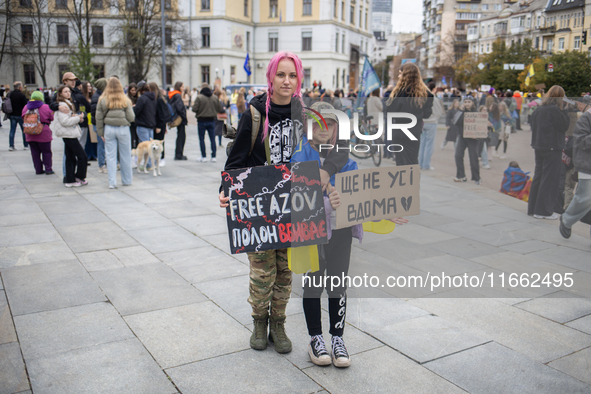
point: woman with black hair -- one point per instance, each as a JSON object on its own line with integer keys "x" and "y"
{"x": 463, "y": 143}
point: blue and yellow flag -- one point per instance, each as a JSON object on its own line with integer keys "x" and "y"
{"x": 369, "y": 79}
{"x": 530, "y": 74}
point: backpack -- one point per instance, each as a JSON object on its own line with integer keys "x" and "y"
{"x": 32, "y": 122}
{"x": 7, "y": 105}
{"x": 175, "y": 119}
{"x": 229, "y": 131}
{"x": 172, "y": 113}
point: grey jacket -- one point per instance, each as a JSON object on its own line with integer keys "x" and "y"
{"x": 112, "y": 117}
{"x": 582, "y": 144}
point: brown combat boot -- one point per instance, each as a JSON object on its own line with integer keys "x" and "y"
{"x": 278, "y": 336}
{"x": 258, "y": 339}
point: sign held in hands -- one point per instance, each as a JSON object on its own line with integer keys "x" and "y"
{"x": 475, "y": 125}
{"x": 376, "y": 194}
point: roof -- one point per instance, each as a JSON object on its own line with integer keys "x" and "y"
{"x": 559, "y": 5}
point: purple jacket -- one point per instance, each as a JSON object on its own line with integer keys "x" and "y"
{"x": 46, "y": 115}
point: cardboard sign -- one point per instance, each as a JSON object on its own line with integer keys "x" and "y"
{"x": 475, "y": 125}
{"x": 274, "y": 207}
{"x": 377, "y": 193}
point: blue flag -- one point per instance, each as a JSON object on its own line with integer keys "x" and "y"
{"x": 247, "y": 65}
{"x": 369, "y": 79}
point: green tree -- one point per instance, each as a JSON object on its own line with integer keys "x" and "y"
{"x": 382, "y": 69}
{"x": 572, "y": 72}
{"x": 81, "y": 63}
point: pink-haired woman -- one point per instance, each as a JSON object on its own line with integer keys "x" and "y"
{"x": 282, "y": 108}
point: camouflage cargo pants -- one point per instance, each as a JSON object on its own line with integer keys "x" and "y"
{"x": 270, "y": 283}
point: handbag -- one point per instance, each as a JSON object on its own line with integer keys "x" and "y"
{"x": 176, "y": 122}
{"x": 222, "y": 116}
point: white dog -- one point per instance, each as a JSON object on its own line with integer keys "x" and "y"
{"x": 148, "y": 149}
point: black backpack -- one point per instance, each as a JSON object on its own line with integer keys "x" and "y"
{"x": 229, "y": 131}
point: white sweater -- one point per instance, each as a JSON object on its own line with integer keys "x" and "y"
{"x": 66, "y": 125}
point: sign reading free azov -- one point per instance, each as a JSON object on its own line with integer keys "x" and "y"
{"x": 377, "y": 193}
{"x": 274, "y": 207}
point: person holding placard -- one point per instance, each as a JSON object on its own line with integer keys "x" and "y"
{"x": 280, "y": 112}
{"x": 466, "y": 142}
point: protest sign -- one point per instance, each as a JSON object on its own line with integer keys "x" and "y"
{"x": 376, "y": 194}
{"x": 274, "y": 207}
{"x": 475, "y": 125}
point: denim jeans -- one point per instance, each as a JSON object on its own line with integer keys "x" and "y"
{"x": 100, "y": 150}
{"x": 427, "y": 145}
{"x": 580, "y": 204}
{"x": 13, "y": 121}
{"x": 118, "y": 138}
{"x": 208, "y": 127}
{"x": 144, "y": 134}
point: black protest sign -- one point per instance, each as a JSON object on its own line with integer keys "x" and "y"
{"x": 274, "y": 207}
{"x": 376, "y": 194}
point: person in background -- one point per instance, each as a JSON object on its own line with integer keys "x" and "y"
{"x": 132, "y": 94}
{"x": 100, "y": 84}
{"x": 221, "y": 117}
{"x": 41, "y": 143}
{"x": 194, "y": 94}
{"x": 518, "y": 105}
{"x": 241, "y": 103}
{"x": 81, "y": 93}
{"x": 484, "y": 142}
{"x": 67, "y": 126}
{"x": 452, "y": 128}
{"x": 427, "y": 143}
{"x": 549, "y": 124}
{"x": 508, "y": 124}
{"x": 463, "y": 143}
{"x": 114, "y": 114}
{"x": 206, "y": 108}
{"x": 162, "y": 117}
{"x": 91, "y": 147}
{"x": 145, "y": 115}
{"x": 410, "y": 96}
{"x": 176, "y": 102}
{"x": 18, "y": 101}
{"x": 186, "y": 98}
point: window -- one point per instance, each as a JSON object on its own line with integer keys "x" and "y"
{"x": 365, "y": 24}
{"x": 343, "y": 11}
{"x": 488, "y": 30}
{"x": 98, "y": 38}
{"x": 129, "y": 5}
{"x": 306, "y": 41}
{"x": 578, "y": 42}
{"x": 273, "y": 41}
{"x": 29, "y": 71}
{"x": 462, "y": 6}
{"x": 549, "y": 45}
{"x": 62, "y": 69}
{"x": 352, "y": 16}
{"x": 96, "y": 4}
{"x": 99, "y": 71}
{"x": 205, "y": 5}
{"x": 537, "y": 43}
{"x": 528, "y": 23}
{"x": 307, "y": 77}
{"x": 336, "y": 43}
{"x": 359, "y": 20}
{"x": 168, "y": 36}
{"x": 485, "y": 7}
{"x": 498, "y": 7}
{"x": 63, "y": 36}
{"x": 335, "y": 9}
{"x": 487, "y": 47}
{"x": 245, "y": 7}
{"x": 205, "y": 37}
{"x": 474, "y": 7}
{"x": 247, "y": 41}
{"x": 307, "y": 7}
{"x": 232, "y": 73}
{"x": 169, "y": 75}
{"x": 273, "y": 9}
{"x": 343, "y": 43}
{"x": 561, "y": 43}
{"x": 61, "y": 4}
{"x": 27, "y": 34}
{"x": 481, "y": 48}
{"x": 538, "y": 21}
{"x": 204, "y": 74}
{"x": 337, "y": 84}
{"x": 26, "y": 3}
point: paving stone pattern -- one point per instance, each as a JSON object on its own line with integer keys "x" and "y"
{"x": 133, "y": 290}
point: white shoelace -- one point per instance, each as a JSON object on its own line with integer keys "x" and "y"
{"x": 319, "y": 345}
{"x": 338, "y": 347}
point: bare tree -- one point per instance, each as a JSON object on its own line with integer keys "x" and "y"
{"x": 5, "y": 23}
{"x": 140, "y": 35}
{"x": 32, "y": 36}
{"x": 79, "y": 13}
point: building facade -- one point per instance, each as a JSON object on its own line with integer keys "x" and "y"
{"x": 330, "y": 36}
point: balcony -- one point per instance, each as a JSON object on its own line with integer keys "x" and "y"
{"x": 518, "y": 30}
{"x": 548, "y": 29}
{"x": 472, "y": 36}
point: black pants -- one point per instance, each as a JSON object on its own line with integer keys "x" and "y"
{"x": 545, "y": 185}
{"x": 134, "y": 138}
{"x": 472, "y": 145}
{"x": 180, "y": 141}
{"x": 160, "y": 137}
{"x": 410, "y": 153}
{"x": 76, "y": 160}
{"x": 518, "y": 120}
{"x": 337, "y": 254}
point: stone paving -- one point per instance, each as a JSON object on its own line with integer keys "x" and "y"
{"x": 133, "y": 290}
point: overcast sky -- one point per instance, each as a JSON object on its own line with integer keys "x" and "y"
{"x": 407, "y": 15}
